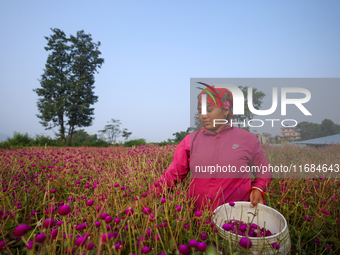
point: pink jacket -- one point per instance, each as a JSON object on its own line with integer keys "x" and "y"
{"x": 211, "y": 157}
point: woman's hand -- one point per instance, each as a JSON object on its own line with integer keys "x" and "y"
{"x": 255, "y": 197}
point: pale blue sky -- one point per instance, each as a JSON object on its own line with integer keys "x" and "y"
{"x": 153, "y": 48}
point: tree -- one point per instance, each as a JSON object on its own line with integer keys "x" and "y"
{"x": 111, "y": 130}
{"x": 328, "y": 127}
{"x": 180, "y": 135}
{"x": 308, "y": 130}
{"x": 126, "y": 134}
{"x": 257, "y": 102}
{"x": 67, "y": 83}
{"x": 197, "y": 124}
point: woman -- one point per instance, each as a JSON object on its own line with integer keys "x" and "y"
{"x": 216, "y": 155}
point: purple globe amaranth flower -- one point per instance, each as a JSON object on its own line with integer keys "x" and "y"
{"x": 89, "y": 246}
{"x": 50, "y": 210}
{"x": 325, "y": 212}
{"x": 161, "y": 253}
{"x": 97, "y": 224}
{"x": 53, "y": 191}
{"x": 103, "y": 216}
{"x": 192, "y": 243}
{"x": 29, "y": 245}
{"x": 163, "y": 200}
{"x": 2, "y": 245}
{"x": 276, "y": 246}
{"x": 203, "y": 236}
{"x": 108, "y": 219}
{"x": 59, "y": 223}
{"x": 81, "y": 227}
{"x": 245, "y": 242}
{"x": 184, "y": 250}
{"x": 106, "y": 237}
{"x": 201, "y": 247}
{"x": 54, "y": 232}
{"x": 315, "y": 240}
{"x": 118, "y": 246}
{"x": 186, "y": 226}
{"x": 149, "y": 232}
{"x": 40, "y": 238}
{"x": 232, "y": 204}
{"x": 116, "y": 221}
{"x": 80, "y": 241}
{"x": 89, "y": 203}
{"x": 147, "y": 210}
{"x": 198, "y": 214}
{"x": 308, "y": 219}
{"x": 64, "y": 210}
{"x": 227, "y": 227}
{"x": 152, "y": 217}
{"x": 146, "y": 250}
{"x": 129, "y": 211}
{"x": 20, "y": 230}
{"x": 49, "y": 223}
{"x": 243, "y": 227}
{"x": 178, "y": 208}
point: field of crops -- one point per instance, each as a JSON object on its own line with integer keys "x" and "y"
{"x": 65, "y": 201}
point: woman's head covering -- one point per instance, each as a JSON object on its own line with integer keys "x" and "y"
{"x": 224, "y": 94}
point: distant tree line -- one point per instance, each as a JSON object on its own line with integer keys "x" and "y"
{"x": 309, "y": 130}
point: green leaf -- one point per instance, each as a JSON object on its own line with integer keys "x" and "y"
{"x": 210, "y": 251}
{"x": 331, "y": 221}
{"x": 171, "y": 244}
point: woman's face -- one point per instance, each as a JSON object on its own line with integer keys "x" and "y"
{"x": 212, "y": 113}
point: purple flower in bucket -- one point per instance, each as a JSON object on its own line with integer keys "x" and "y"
{"x": 227, "y": 227}
{"x": 232, "y": 204}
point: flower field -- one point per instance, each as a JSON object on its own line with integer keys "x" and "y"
{"x": 66, "y": 200}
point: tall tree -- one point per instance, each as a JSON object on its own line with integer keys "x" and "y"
{"x": 126, "y": 134}
{"x": 308, "y": 130}
{"x": 112, "y": 130}
{"x": 66, "y": 92}
{"x": 257, "y": 102}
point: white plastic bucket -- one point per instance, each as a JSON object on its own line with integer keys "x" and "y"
{"x": 265, "y": 217}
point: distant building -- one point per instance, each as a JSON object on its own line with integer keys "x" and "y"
{"x": 321, "y": 141}
{"x": 289, "y": 134}
{"x": 264, "y": 138}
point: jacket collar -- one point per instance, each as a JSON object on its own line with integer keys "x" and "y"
{"x": 213, "y": 133}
